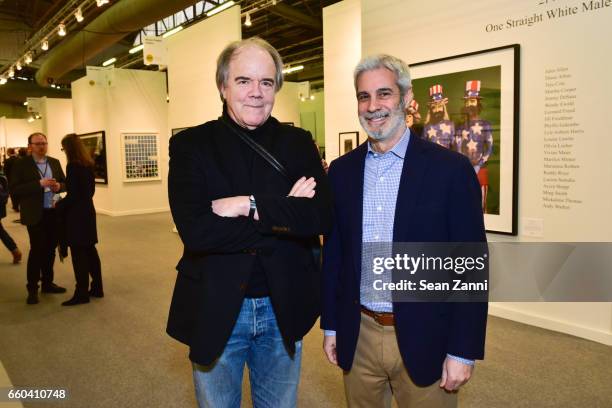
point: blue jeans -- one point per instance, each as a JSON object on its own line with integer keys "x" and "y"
{"x": 255, "y": 340}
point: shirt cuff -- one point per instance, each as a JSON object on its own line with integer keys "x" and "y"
{"x": 327, "y": 333}
{"x": 461, "y": 360}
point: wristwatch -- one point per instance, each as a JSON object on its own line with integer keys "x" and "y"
{"x": 252, "y": 206}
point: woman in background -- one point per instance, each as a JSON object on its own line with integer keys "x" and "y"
{"x": 79, "y": 215}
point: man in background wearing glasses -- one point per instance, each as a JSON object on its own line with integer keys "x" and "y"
{"x": 35, "y": 180}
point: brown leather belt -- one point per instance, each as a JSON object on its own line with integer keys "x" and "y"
{"x": 382, "y": 318}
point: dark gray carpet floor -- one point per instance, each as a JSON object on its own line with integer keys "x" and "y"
{"x": 114, "y": 351}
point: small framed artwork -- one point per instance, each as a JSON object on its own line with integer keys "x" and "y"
{"x": 469, "y": 103}
{"x": 140, "y": 155}
{"x": 347, "y": 141}
{"x": 95, "y": 144}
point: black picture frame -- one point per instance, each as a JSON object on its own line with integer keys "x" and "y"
{"x": 95, "y": 143}
{"x": 347, "y": 141}
{"x": 500, "y": 106}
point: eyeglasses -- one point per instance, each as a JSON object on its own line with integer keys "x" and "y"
{"x": 40, "y": 144}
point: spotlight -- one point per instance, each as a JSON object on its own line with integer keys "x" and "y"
{"x": 18, "y": 66}
{"x": 2, "y": 80}
{"x": 78, "y": 15}
{"x": 11, "y": 73}
{"x": 247, "y": 21}
{"x": 100, "y": 3}
{"x": 45, "y": 45}
{"x": 28, "y": 58}
{"x": 61, "y": 30}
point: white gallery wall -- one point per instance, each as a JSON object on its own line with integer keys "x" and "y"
{"x": 192, "y": 59}
{"x": 341, "y": 52}
{"x": 57, "y": 121}
{"x": 125, "y": 101}
{"x": 554, "y": 38}
{"x": 15, "y": 132}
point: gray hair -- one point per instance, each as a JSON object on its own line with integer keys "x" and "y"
{"x": 228, "y": 52}
{"x": 393, "y": 64}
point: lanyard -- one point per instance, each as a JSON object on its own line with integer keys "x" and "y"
{"x": 42, "y": 173}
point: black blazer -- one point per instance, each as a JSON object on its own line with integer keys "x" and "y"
{"x": 25, "y": 185}
{"x": 77, "y": 208}
{"x": 438, "y": 201}
{"x": 207, "y": 163}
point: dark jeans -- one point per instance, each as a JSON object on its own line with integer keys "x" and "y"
{"x": 6, "y": 239}
{"x": 86, "y": 262}
{"x": 43, "y": 240}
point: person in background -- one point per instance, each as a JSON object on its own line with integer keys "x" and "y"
{"x": 35, "y": 180}
{"x": 6, "y": 239}
{"x": 78, "y": 215}
{"x": 8, "y": 166}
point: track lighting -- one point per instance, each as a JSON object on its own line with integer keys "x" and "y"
{"x": 61, "y": 30}
{"x": 78, "y": 15}
{"x": 18, "y": 66}
{"x": 247, "y": 21}
{"x": 45, "y": 45}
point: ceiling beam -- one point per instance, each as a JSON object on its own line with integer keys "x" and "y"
{"x": 294, "y": 15}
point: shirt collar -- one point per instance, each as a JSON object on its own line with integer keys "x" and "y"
{"x": 400, "y": 147}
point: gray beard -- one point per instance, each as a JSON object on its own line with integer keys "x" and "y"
{"x": 381, "y": 134}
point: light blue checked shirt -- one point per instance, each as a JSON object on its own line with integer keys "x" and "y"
{"x": 381, "y": 180}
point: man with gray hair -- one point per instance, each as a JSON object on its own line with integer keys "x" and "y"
{"x": 242, "y": 195}
{"x": 397, "y": 188}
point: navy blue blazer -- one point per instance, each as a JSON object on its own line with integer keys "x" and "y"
{"x": 439, "y": 200}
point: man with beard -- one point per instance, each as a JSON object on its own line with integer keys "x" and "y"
{"x": 397, "y": 188}
{"x": 438, "y": 126}
{"x": 413, "y": 118}
{"x": 474, "y": 137}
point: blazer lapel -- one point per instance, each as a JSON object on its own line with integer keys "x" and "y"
{"x": 413, "y": 171}
{"x": 356, "y": 215}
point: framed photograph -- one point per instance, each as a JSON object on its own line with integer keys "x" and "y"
{"x": 469, "y": 103}
{"x": 95, "y": 143}
{"x": 178, "y": 130}
{"x": 347, "y": 141}
{"x": 140, "y": 156}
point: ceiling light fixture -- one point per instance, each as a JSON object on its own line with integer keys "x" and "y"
{"x": 44, "y": 45}
{"x": 109, "y": 62}
{"x": 25, "y": 103}
{"x": 136, "y": 49}
{"x": 11, "y": 73}
{"x": 220, "y": 8}
{"x": 2, "y": 80}
{"x": 172, "y": 32}
{"x": 61, "y": 30}
{"x": 247, "y": 20}
{"x": 30, "y": 119}
{"x": 100, "y": 3}
{"x": 78, "y": 15}
{"x": 28, "y": 58}
{"x": 293, "y": 69}
{"x": 18, "y": 66}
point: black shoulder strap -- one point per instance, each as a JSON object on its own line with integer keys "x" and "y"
{"x": 259, "y": 149}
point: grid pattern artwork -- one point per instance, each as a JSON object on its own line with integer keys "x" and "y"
{"x": 140, "y": 156}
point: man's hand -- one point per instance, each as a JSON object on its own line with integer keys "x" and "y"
{"x": 56, "y": 187}
{"x": 455, "y": 374}
{"x": 329, "y": 347}
{"x": 303, "y": 188}
{"x": 231, "y": 206}
{"x": 48, "y": 182}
